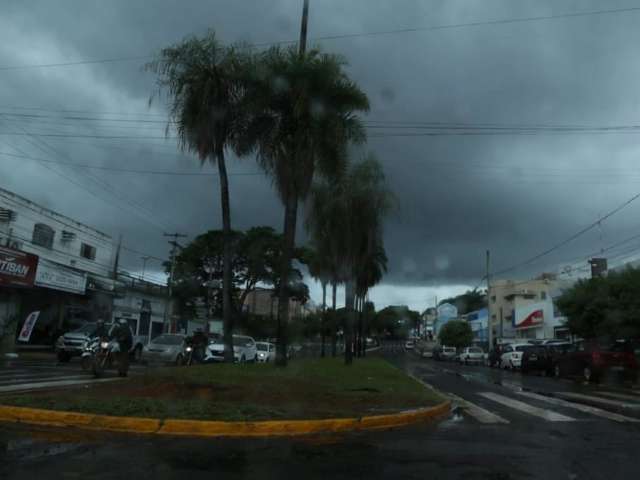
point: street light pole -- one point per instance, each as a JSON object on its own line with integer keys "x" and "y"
{"x": 303, "y": 28}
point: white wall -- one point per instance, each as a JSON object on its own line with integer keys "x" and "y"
{"x": 19, "y": 233}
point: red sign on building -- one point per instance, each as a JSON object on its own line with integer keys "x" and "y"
{"x": 17, "y": 269}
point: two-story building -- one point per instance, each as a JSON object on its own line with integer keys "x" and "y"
{"x": 53, "y": 265}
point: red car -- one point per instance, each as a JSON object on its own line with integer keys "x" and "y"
{"x": 591, "y": 360}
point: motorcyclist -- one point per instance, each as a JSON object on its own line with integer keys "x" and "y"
{"x": 101, "y": 329}
{"x": 198, "y": 342}
{"x": 121, "y": 333}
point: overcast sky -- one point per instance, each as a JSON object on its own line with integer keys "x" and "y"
{"x": 514, "y": 192}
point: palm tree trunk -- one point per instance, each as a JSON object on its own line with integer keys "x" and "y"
{"x": 323, "y": 319}
{"x": 364, "y": 324}
{"x": 290, "y": 217}
{"x": 360, "y": 330}
{"x": 227, "y": 319}
{"x": 334, "y": 326}
{"x": 348, "y": 330}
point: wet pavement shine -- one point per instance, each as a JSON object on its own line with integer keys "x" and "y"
{"x": 500, "y": 429}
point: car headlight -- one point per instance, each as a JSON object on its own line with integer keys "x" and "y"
{"x": 188, "y": 349}
{"x": 104, "y": 345}
{"x": 261, "y": 355}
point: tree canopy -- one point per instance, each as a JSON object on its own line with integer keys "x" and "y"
{"x": 456, "y": 333}
{"x": 604, "y": 306}
{"x": 255, "y": 259}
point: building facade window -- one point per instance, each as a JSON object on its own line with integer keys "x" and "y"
{"x": 43, "y": 235}
{"x": 88, "y": 251}
{"x": 543, "y": 295}
{"x": 493, "y": 299}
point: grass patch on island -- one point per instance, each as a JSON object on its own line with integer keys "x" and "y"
{"x": 312, "y": 389}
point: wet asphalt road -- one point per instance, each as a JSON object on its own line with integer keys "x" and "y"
{"x": 534, "y": 439}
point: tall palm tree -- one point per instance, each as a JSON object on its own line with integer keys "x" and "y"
{"x": 303, "y": 109}
{"x": 369, "y": 272}
{"x": 205, "y": 84}
{"x": 350, "y": 212}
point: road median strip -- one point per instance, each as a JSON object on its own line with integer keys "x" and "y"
{"x": 200, "y": 428}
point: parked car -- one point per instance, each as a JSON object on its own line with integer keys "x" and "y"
{"x": 471, "y": 355}
{"x": 166, "y": 348}
{"x": 540, "y": 357}
{"x": 511, "y": 356}
{"x": 591, "y": 360}
{"x": 266, "y": 352}
{"x": 409, "y": 344}
{"x": 425, "y": 348}
{"x": 244, "y": 350}
{"x": 71, "y": 344}
{"x": 444, "y": 353}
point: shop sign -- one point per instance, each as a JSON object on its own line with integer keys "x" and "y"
{"x": 57, "y": 277}
{"x": 17, "y": 269}
{"x": 528, "y": 316}
{"x": 27, "y": 327}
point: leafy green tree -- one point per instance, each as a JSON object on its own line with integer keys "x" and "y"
{"x": 456, "y": 333}
{"x": 303, "y": 118}
{"x": 394, "y": 320}
{"x": 205, "y": 83}
{"x": 604, "y": 307}
{"x": 255, "y": 260}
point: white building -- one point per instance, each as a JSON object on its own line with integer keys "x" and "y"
{"x": 52, "y": 264}
{"x": 526, "y": 309}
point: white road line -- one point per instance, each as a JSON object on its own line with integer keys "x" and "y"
{"x": 36, "y": 386}
{"x": 579, "y": 406}
{"x": 619, "y": 396}
{"x": 549, "y": 415}
{"x": 477, "y": 412}
{"x": 605, "y": 401}
{"x": 45, "y": 379}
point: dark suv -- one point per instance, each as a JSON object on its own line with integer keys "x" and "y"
{"x": 540, "y": 358}
{"x": 591, "y": 360}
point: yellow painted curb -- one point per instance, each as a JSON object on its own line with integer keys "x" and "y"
{"x": 201, "y": 428}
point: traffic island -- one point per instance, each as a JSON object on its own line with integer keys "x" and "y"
{"x": 307, "y": 397}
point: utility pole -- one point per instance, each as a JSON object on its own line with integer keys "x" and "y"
{"x": 116, "y": 262}
{"x": 174, "y": 246}
{"x": 489, "y": 319}
{"x": 145, "y": 259}
{"x": 303, "y": 28}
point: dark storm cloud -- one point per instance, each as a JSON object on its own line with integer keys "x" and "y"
{"x": 458, "y": 195}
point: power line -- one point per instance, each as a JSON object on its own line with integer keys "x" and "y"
{"x": 131, "y": 170}
{"x": 449, "y": 26}
{"x": 570, "y": 238}
{"x": 148, "y": 215}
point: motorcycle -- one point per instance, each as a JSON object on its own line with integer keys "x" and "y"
{"x": 99, "y": 355}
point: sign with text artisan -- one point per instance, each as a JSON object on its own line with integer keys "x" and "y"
{"x": 17, "y": 269}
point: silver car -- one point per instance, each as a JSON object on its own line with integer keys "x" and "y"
{"x": 166, "y": 348}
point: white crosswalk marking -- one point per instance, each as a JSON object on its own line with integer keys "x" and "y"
{"x": 578, "y": 406}
{"x": 526, "y": 408}
{"x": 25, "y": 376}
{"x": 477, "y": 412}
{"x": 59, "y": 383}
{"x": 601, "y": 400}
{"x": 619, "y": 396}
